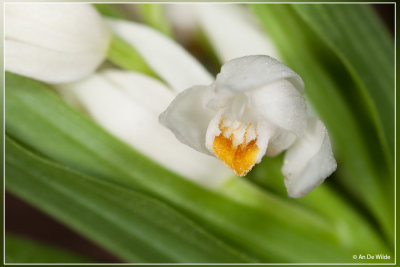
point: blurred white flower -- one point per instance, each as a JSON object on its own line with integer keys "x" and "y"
{"x": 254, "y": 107}
{"x": 127, "y": 104}
{"x": 54, "y": 42}
{"x": 232, "y": 29}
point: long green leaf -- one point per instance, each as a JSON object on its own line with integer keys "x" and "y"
{"x": 324, "y": 200}
{"x": 336, "y": 97}
{"x": 23, "y": 250}
{"x": 130, "y": 224}
{"x": 358, "y": 37}
{"x": 268, "y": 233}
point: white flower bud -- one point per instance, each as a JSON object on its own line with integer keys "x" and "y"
{"x": 54, "y": 42}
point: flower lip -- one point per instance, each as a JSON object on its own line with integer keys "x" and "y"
{"x": 237, "y": 155}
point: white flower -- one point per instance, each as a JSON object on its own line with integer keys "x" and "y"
{"x": 254, "y": 107}
{"x": 54, "y": 42}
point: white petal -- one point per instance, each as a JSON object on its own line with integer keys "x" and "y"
{"x": 188, "y": 118}
{"x": 281, "y": 104}
{"x": 251, "y": 72}
{"x": 309, "y": 161}
{"x": 234, "y": 32}
{"x": 129, "y": 119}
{"x": 169, "y": 60}
{"x": 54, "y": 42}
{"x": 281, "y": 141}
{"x": 265, "y": 132}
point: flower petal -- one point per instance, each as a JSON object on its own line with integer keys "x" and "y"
{"x": 240, "y": 146}
{"x": 309, "y": 161}
{"x": 130, "y": 120}
{"x": 54, "y": 42}
{"x": 251, "y": 72}
{"x": 169, "y": 60}
{"x": 188, "y": 118}
{"x": 281, "y": 141}
{"x": 281, "y": 104}
{"x": 233, "y": 31}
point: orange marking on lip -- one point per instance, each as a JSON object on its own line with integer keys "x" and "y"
{"x": 240, "y": 159}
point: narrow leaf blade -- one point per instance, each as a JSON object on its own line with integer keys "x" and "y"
{"x": 131, "y": 225}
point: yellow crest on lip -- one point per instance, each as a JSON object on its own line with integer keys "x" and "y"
{"x": 240, "y": 158}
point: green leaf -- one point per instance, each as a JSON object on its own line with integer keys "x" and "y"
{"x": 340, "y": 103}
{"x": 363, "y": 44}
{"x": 23, "y": 250}
{"x": 154, "y": 15}
{"x": 131, "y": 225}
{"x": 125, "y": 56}
{"x": 264, "y": 233}
{"x": 324, "y": 200}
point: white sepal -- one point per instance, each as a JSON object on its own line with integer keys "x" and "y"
{"x": 54, "y": 42}
{"x": 188, "y": 118}
{"x": 279, "y": 142}
{"x": 110, "y": 100}
{"x": 169, "y": 60}
{"x": 309, "y": 161}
